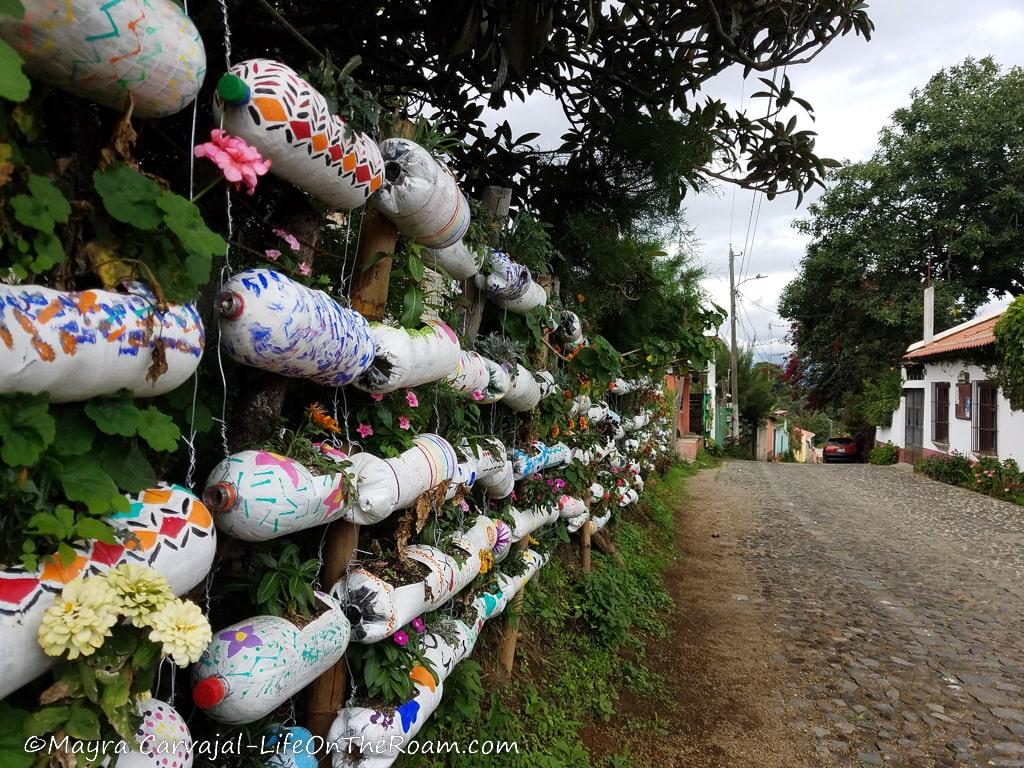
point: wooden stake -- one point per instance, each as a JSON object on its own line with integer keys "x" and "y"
{"x": 369, "y": 297}
{"x": 585, "y": 547}
{"x": 585, "y": 538}
{"x": 495, "y": 203}
{"x": 510, "y": 634}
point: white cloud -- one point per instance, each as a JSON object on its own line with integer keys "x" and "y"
{"x": 854, "y": 86}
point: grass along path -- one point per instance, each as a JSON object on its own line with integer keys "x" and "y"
{"x": 607, "y": 661}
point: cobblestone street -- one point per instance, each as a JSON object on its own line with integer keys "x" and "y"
{"x": 897, "y": 608}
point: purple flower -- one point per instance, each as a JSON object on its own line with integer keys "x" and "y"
{"x": 272, "y": 254}
{"x": 240, "y": 638}
{"x": 400, "y": 638}
{"x": 418, "y": 624}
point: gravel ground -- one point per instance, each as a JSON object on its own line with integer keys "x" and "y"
{"x": 894, "y": 603}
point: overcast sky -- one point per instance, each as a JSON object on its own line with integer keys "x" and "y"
{"x": 854, "y": 86}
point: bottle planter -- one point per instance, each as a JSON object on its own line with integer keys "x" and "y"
{"x": 144, "y": 51}
{"x": 569, "y": 507}
{"x": 526, "y": 521}
{"x": 268, "y": 105}
{"x": 624, "y": 387}
{"x": 259, "y": 495}
{"x": 163, "y": 738}
{"x": 528, "y": 389}
{"x": 173, "y": 534}
{"x": 271, "y": 322}
{"x": 580, "y": 405}
{"x": 457, "y": 260}
{"x": 626, "y": 495}
{"x": 479, "y": 379}
{"x": 254, "y": 666}
{"x": 569, "y": 329}
{"x": 378, "y": 609}
{"x": 491, "y": 468}
{"x": 598, "y": 413}
{"x": 80, "y": 345}
{"x": 542, "y": 457}
{"x": 637, "y": 422}
{"x": 409, "y": 358}
{"x": 293, "y": 747}
{"x": 394, "y": 728}
{"x": 510, "y": 285}
{"x": 420, "y": 196}
{"x": 598, "y": 523}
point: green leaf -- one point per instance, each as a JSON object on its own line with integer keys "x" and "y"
{"x": 129, "y": 196}
{"x": 12, "y": 737}
{"x": 158, "y": 429}
{"x": 184, "y": 220}
{"x": 44, "y": 207}
{"x": 94, "y": 528}
{"x": 412, "y": 307}
{"x": 26, "y": 428}
{"x": 14, "y": 86}
{"x": 83, "y": 724}
{"x": 128, "y": 468}
{"x": 115, "y": 416}
{"x": 83, "y": 479}
{"x": 267, "y": 587}
{"x": 46, "y": 720}
{"x": 115, "y": 693}
{"x": 76, "y": 432}
{"x": 12, "y": 8}
{"x": 49, "y": 251}
{"x": 46, "y": 524}
{"x": 66, "y": 554}
{"x": 415, "y": 267}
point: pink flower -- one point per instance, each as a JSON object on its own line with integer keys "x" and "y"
{"x": 240, "y": 163}
{"x": 288, "y": 237}
{"x": 272, "y": 254}
{"x": 410, "y": 398}
{"x": 400, "y": 638}
{"x": 403, "y": 422}
{"x": 513, "y": 496}
{"x": 364, "y": 430}
{"x": 305, "y": 269}
{"x": 377, "y": 397}
{"x": 477, "y": 395}
{"x": 464, "y": 505}
{"x": 418, "y": 624}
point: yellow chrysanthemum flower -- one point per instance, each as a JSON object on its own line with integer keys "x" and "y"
{"x": 182, "y": 629}
{"x": 142, "y": 591}
{"x": 80, "y": 619}
{"x": 486, "y": 560}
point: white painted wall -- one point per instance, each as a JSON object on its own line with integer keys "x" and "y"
{"x": 1009, "y": 423}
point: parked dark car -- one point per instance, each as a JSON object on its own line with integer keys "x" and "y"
{"x": 840, "y": 449}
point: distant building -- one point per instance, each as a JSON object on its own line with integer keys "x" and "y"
{"x": 948, "y": 403}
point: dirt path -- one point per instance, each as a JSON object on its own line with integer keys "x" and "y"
{"x": 726, "y": 703}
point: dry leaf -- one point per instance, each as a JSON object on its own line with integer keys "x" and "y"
{"x": 159, "y": 365}
{"x": 402, "y": 533}
{"x": 55, "y": 692}
{"x": 122, "y": 142}
{"x": 102, "y": 259}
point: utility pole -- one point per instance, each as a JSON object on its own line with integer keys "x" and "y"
{"x": 733, "y": 352}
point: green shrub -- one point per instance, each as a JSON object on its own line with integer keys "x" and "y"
{"x": 954, "y": 469}
{"x": 884, "y": 453}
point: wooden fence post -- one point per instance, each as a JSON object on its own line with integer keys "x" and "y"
{"x": 369, "y": 297}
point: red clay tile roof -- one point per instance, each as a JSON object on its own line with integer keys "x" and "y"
{"x": 981, "y": 334}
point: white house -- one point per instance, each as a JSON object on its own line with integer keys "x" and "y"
{"x": 948, "y": 402}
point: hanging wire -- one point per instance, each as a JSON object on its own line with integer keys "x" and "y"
{"x": 226, "y": 269}
{"x": 191, "y": 440}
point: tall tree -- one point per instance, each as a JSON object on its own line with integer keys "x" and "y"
{"x": 941, "y": 197}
